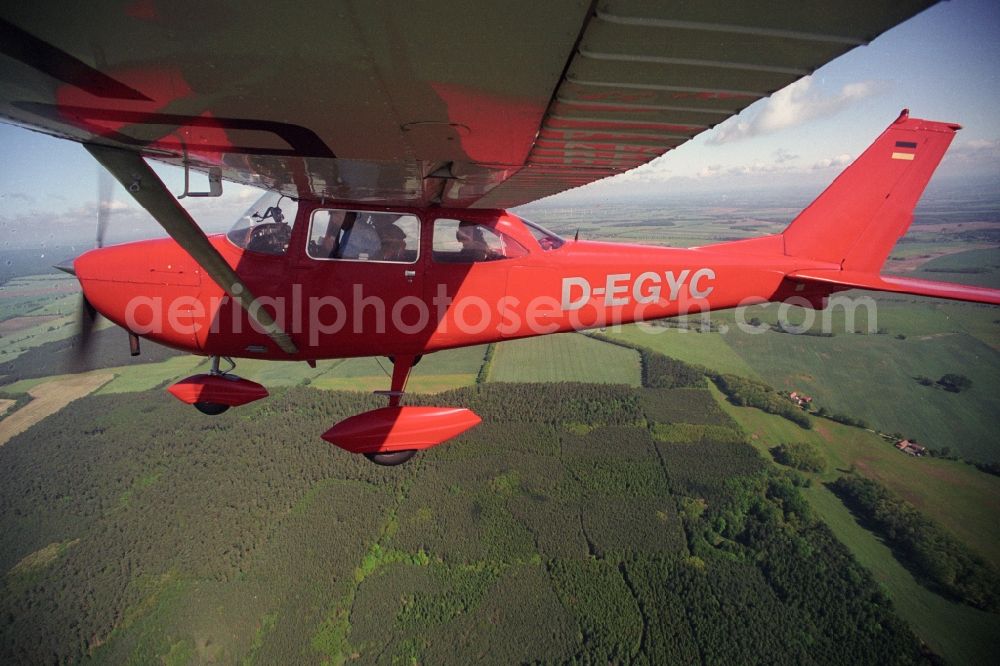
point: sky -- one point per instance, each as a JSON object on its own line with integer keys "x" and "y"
{"x": 943, "y": 64}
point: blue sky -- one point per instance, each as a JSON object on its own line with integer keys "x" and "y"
{"x": 943, "y": 64}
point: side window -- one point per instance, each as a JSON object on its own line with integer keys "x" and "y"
{"x": 354, "y": 235}
{"x": 461, "y": 242}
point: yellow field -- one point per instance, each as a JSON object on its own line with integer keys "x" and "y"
{"x": 48, "y": 398}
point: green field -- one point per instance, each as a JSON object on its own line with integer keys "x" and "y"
{"x": 440, "y": 371}
{"x": 684, "y": 223}
{"x": 955, "y": 495}
{"x": 872, "y": 377}
{"x": 976, "y": 267}
{"x": 52, "y": 298}
{"x": 148, "y": 376}
{"x": 706, "y": 349}
{"x": 961, "y": 634}
{"x": 568, "y": 357}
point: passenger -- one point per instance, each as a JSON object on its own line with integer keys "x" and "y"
{"x": 393, "y": 243}
{"x": 359, "y": 239}
{"x": 326, "y": 247}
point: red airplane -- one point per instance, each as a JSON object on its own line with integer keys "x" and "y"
{"x": 397, "y": 243}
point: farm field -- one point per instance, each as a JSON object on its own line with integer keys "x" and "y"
{"x": 48, "y": 398}
{"x": 709, "y": 350}
{"x": 147, "y": 376}
{"x": 957, "y": 496}
{"x": 874, "y": 378}
{"x": 871, "y": 377}
{"x": 568, "y": 357}
{"x": 440, "y": 371}
{"x": 977, "y": 267}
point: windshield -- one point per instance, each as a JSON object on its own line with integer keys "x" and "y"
{"x": 546, "y": 239}
{"x": 266, "y": 226}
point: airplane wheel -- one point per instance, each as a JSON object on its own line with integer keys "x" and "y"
{"x": 390, "y": 459}
{"x": 210, "y": 408}
{"x": 416, "y": 359}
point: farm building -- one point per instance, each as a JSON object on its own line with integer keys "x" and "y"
{"x": 800, "y": 399}
{"x": 911, "y": 448}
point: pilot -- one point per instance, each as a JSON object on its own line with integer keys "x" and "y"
{"x": 474, "y": 247}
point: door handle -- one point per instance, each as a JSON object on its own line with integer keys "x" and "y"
{"x": 409, "y": 275}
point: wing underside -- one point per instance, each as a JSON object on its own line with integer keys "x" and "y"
{"x": 436, "y": 102}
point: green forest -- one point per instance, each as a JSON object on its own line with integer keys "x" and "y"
{"x": 931, "y": 553}
{"x": 580, "y": 523}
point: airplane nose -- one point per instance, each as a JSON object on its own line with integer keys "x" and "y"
{"x": 146, "y": 287}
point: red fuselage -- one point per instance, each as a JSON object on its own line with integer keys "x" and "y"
{"x": 337, "y": 309}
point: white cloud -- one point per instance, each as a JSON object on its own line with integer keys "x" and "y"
{"x": 975, "y": 149}
{"x": 114, "y": 205}
{"x": 781, "y": 156}
{"x": 654, "y": 171}
{"x": 840, "y": 161}
{"x": 792, "y": 106}
{"x": 246, "y": 192}
{"x": 19, "y": 196}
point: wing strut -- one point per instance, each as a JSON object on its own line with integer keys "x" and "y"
{"x": 146, "y": 188}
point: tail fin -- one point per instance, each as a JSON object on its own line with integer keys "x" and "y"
{"x": 858, "y": 219}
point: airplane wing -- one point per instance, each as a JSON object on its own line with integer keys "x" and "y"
{"x": 447, "y": 102}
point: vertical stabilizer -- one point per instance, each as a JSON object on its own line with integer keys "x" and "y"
{"x": 860, "y": 216}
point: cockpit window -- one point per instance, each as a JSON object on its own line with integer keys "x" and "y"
{"x": 546, "y": 239}
{"x": 461, "y": 242}
{"x": 359, "y": 235}
{"x": 266, "y": 227}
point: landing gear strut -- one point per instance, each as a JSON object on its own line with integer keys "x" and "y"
{"x": 401, "y": 366}
{"x": 216, "y": 408}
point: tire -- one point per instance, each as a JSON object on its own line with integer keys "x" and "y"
{"x": 416, "y": 359}
{"x": 210, "y": 408}
{"x": 391, "y": 459}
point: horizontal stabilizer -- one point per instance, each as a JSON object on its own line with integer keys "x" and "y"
{"x": 901, "y": 285}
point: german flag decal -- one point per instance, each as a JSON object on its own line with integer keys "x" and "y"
{"x": 905, "y": 150}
